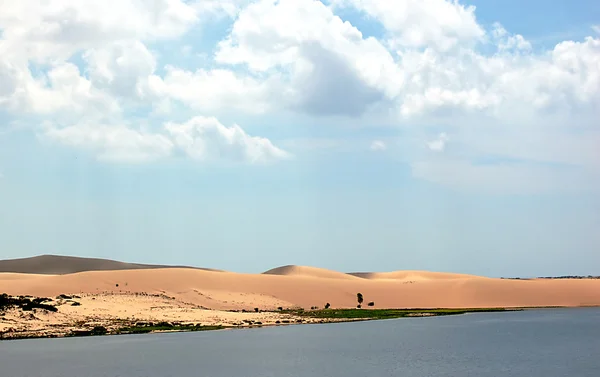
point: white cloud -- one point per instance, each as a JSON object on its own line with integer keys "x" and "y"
{"x": 296, "y": 58}
{"x": 112, "y": 143}
{"x": 329, "y": 68}
{"x": 212, "y": 90}
{"x": 62, "y": 89}
{"x": 422, "y": 23}
{"x": 507, "y": 42}
{"x": 201, "y": 138}
{"x": 378, "y": 145}
{"x": 56, "y": 29}
{"x": 439, "y": 144}
{"x": 206, "y": 139}
{"x": 123, "y": 68}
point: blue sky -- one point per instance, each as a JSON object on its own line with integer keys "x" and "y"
{"x": 353, "y": 135}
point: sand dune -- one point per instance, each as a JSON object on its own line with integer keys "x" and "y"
{"x": 58, "y": 265}
{"x": 288, "y": 286}
{"x": 113, "y": 297}
{"x": 412, "y": 275}
{"x": 313, "y": 272}
{"x": 227, "y": 290}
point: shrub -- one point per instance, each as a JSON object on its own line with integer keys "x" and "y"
{"x": 99, "y": 330}
{"x": 371, "y": 303}
{"x": 359, "y": 306}
{"x": 256, "y": 310}
{"x": 327, "y": 305}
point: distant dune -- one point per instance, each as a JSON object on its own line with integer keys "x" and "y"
{"x": 412, "y": 275}
{"x": 313, "y": 272}
{"x": 290, "y": 286}
{"x": 60, "y": 265}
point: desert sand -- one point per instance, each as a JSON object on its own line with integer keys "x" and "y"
{"x": 217, "y": 297}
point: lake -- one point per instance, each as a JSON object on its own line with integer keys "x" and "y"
{"x": 548, "y": 343}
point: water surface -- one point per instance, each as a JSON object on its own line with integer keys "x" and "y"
{"x": 548, "y": 343}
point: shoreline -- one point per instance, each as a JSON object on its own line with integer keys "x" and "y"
{"x": 181, "y": 328}
{"x": 288, "y": 317}
{"x": 179, "y": 299}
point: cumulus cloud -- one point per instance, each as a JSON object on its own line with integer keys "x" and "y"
{"x": 201, "y": 138}
{"x": 328, "y": 66}
{"x": 123, "y": 68}
{"x": 213, "y": 90}
{"x": 422, "y": 23}
{"x": 91, "y": 66}
{"x": 206, "y": 139}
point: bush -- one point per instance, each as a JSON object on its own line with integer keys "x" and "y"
{"x": 99, "y": 330}
{"x": 371, "y": 303}
{"x": 359, "y": 306}
{"x": 256, "y": 310}
{"x": 327, "y": 305}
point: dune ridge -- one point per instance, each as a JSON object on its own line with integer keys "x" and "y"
{"x": 413, "y": 275}
{"x": 59, "y": 265}
{"x": 229, "y": 290}
{"x": 314, "y": 272}
{"x": 291, "y": 286}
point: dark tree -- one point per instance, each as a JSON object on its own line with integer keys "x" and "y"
{"x": 359, "y": 298}
{"x": 327, "y": 305}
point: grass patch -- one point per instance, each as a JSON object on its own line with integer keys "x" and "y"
{"x": 385, "y": 313}
{"x": 166, "y": 327}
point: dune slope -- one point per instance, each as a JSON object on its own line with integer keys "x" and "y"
{"x": 227, "y": 290}
{"x": 312, "y": 272}
{"x": 413, "y": 275}
{"x": 58, "y": 265}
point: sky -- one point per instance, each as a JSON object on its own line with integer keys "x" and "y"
{"x": 355, "y": 135}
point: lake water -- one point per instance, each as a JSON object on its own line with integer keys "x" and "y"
{"x": 548, "y": 343}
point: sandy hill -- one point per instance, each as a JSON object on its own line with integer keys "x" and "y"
{"x": 288, "y": 286}
{"x": 412, "y": 275}
{"x": 315, "y": 272}
{"x": 60, "y": 265}
{"x": 229, "y": 290}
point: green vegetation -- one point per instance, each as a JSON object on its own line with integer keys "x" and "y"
{"x": 25, "y": 303}
{"x": 166, "y": 327}
{"x": 386, "y": 313}
{"x": 97, "y": 330}
{"x": 359, "y": 298}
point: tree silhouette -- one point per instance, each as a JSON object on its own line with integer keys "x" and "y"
{"x": 359, "y": 298}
